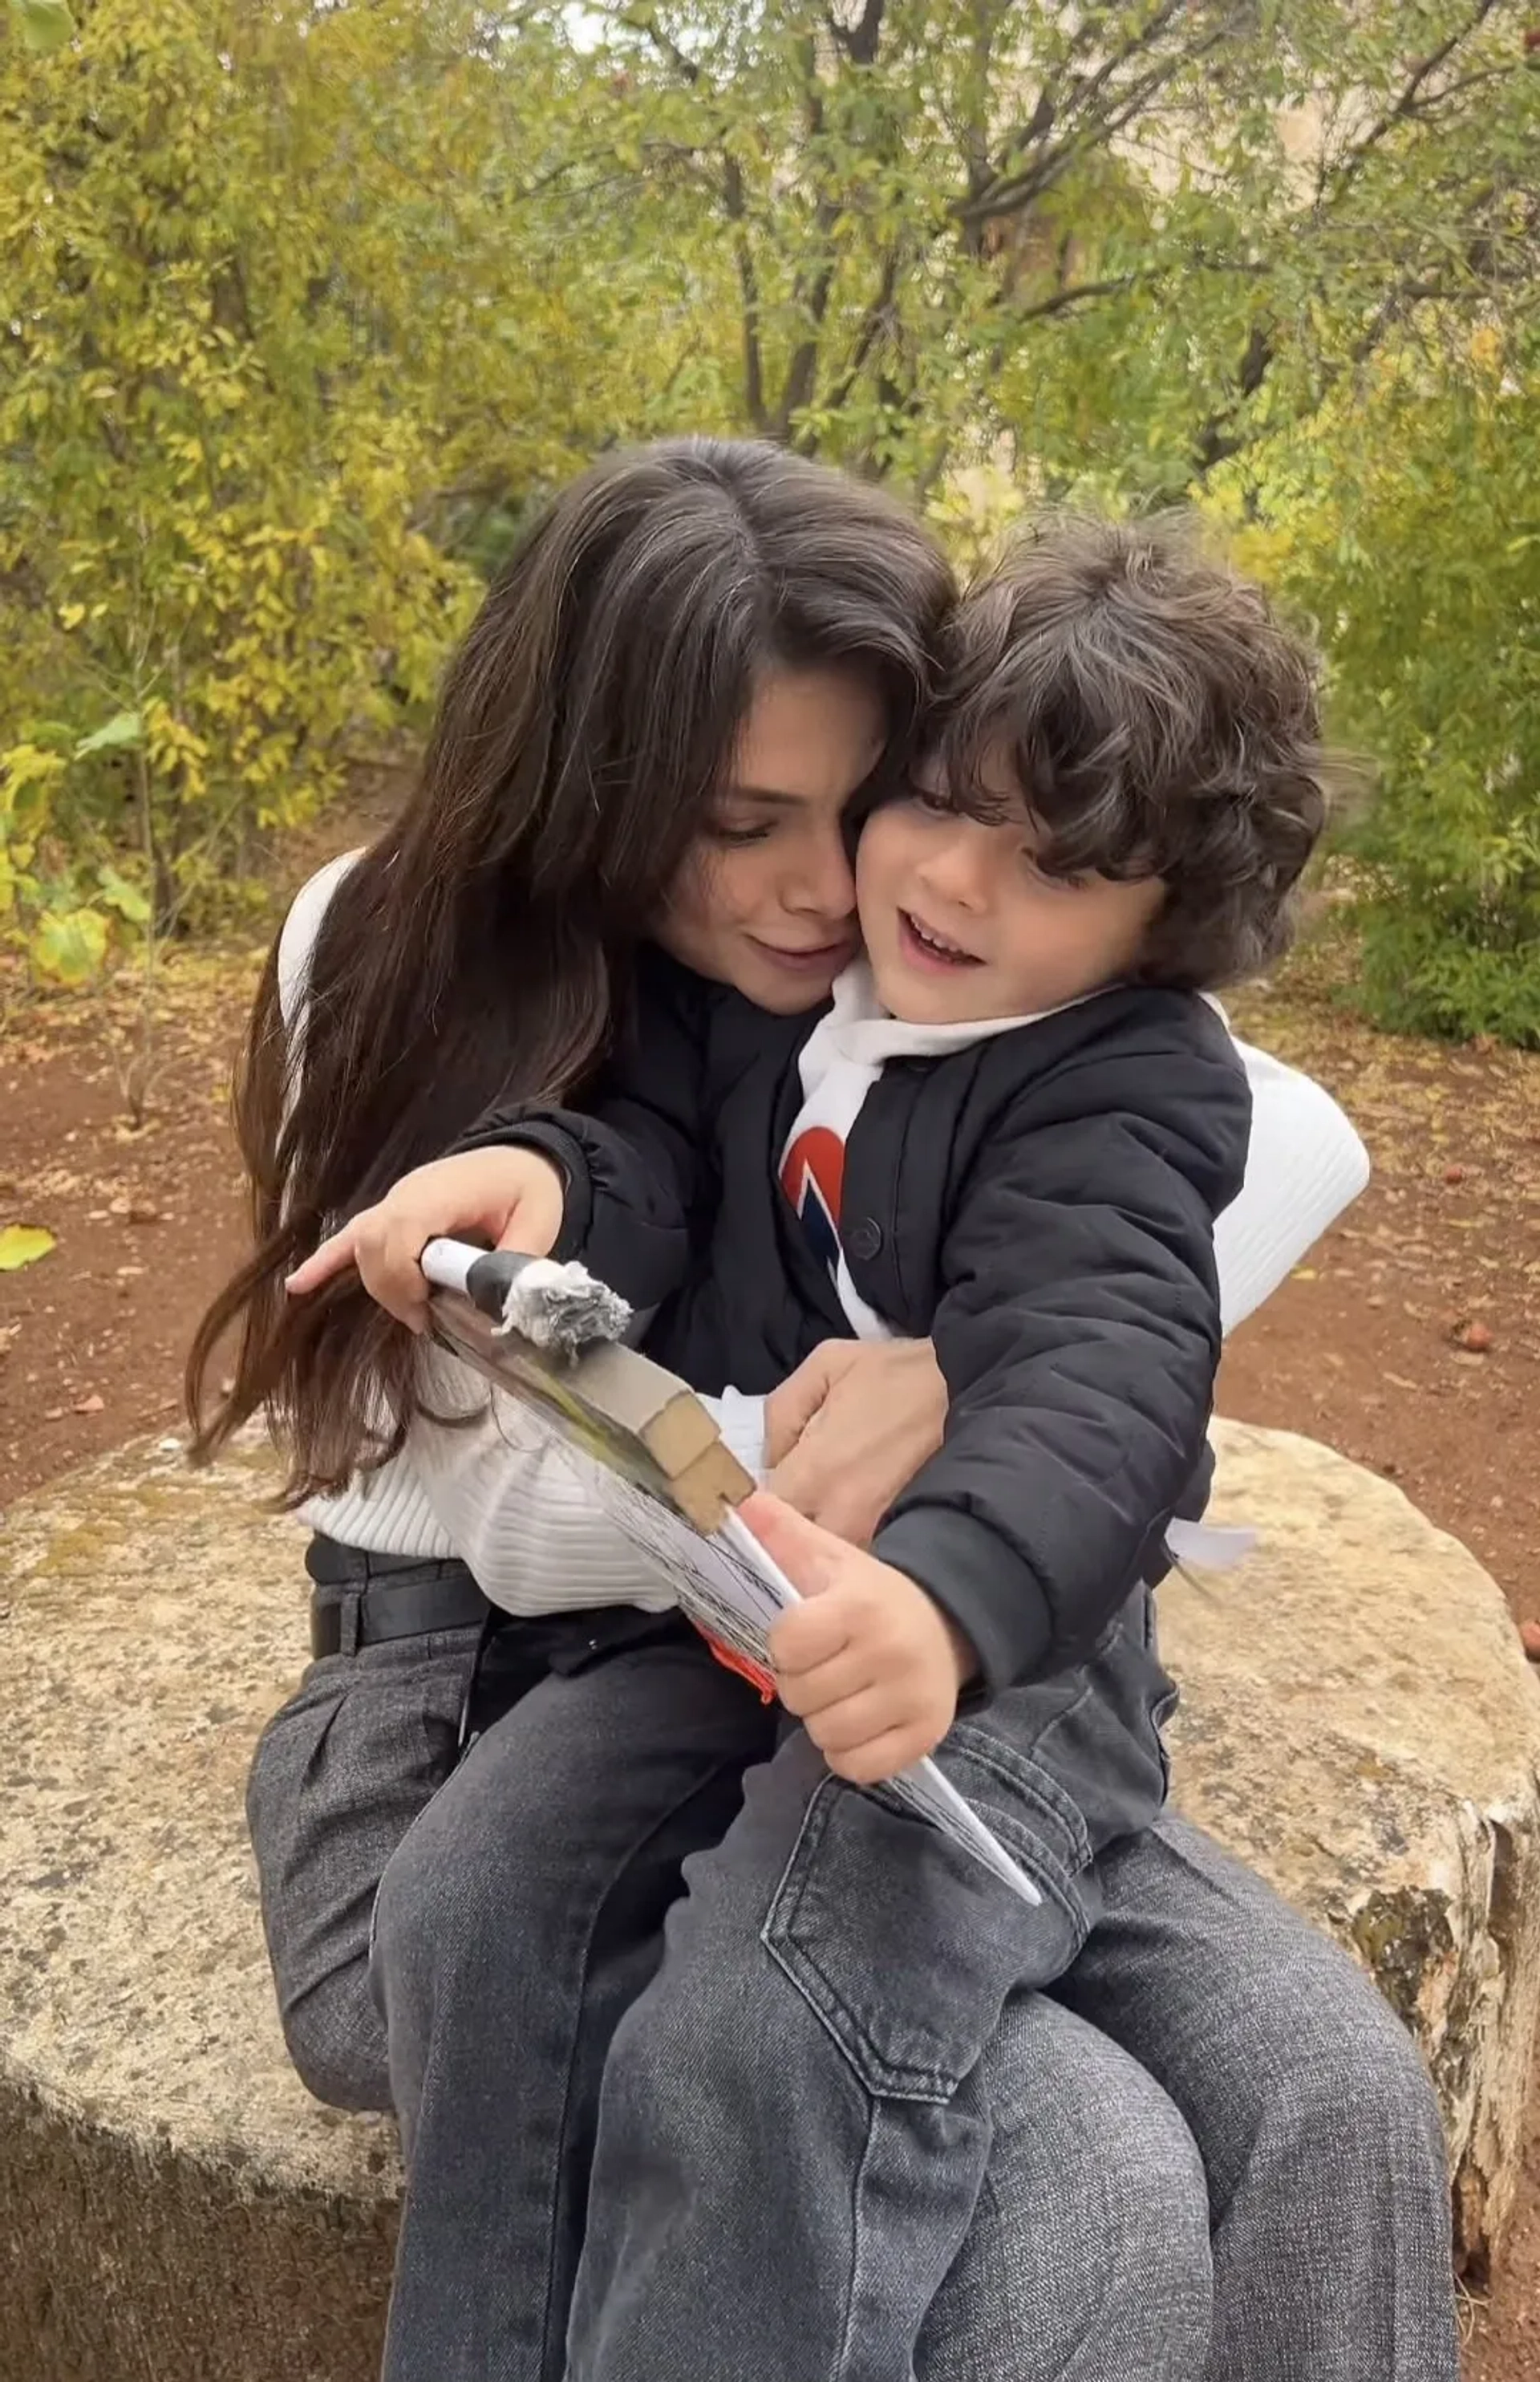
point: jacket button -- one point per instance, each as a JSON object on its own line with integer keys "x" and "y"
{"x": 864, "y": 1239}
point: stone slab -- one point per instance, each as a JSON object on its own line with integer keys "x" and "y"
{"x": 1359, "y": 1723}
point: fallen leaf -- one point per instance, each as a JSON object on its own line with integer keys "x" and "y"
{"x": 22, "y": 1244}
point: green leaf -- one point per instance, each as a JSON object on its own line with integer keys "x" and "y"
{"x": 124, "y": 727}
{"x": 22, "y": 1244}
{"x": 71, "y": 945}
{"x": 43, "y": 25}
{"x": 125, "y": 899}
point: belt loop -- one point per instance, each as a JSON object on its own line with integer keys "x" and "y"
{"x": 349, "y": 1615}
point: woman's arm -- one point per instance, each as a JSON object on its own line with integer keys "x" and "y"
{"x": 623, "y": 1185}
{"x": 1305, "y": 1165}
{"x": 635, "y": 1160}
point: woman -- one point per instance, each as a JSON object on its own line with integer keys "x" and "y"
{"x": 655, "y": 726}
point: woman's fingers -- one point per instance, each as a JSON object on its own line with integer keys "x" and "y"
{"x": 384, "y": 1245}
{"x": 789, "y": 1410}
{"x": 333, "y": 1257}
{"x": 514, "y": 1196}
{"x": 877, "y": 1413}
{"x": 388, "y": 1251}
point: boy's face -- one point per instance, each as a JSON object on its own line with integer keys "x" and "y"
{"x": 961, "y": 926}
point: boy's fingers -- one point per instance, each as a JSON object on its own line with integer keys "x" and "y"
{"x": 808, "y": 1692}
{"x": 856, "y": 1721}
{"x": 882, "y": 1757}
{"x": 807, "y": 1637}
{"x": 811, "y": 1558}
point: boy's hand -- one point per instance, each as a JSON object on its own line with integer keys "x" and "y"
{"x": 871, "y": 1666}
{"x": 515, "y": 1197}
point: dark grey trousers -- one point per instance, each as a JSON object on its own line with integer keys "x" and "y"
{"x": 1168, "y": 2188}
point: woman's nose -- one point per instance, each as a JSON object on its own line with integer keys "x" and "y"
{"x": 823, "y": 883}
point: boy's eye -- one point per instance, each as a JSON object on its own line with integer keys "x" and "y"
{"x": 1053, "y": 884}
{"x": 933, "y": 799}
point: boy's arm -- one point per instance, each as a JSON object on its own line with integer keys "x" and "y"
{"x": 636, "y": 1162}
{"x": 1079, "y": 1335}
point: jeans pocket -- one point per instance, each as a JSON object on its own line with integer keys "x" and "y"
{"x": 338, "y": 1776}
{"x": 903, "y": 1945}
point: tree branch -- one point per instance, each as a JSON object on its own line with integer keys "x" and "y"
{"x": 735, "y": 202}
{"x": 1077, "y": 292}
{"x": 1408, "y": 103}
{"x": 859, "y": 41}
{"x": 1217, "y": 441}
{"x": 664, "y": 43}
{"x": 1082, "y": 127}
{"x": 875, "y": 322}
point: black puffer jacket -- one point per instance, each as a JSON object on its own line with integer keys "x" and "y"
{"x": 1041, "y": 1205}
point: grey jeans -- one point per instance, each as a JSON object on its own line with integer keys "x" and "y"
{"x": 1171, "y": 2191}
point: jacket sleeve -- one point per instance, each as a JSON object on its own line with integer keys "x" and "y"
{"x": 637, "y": 1162}
{"x": 1079, "y": 1335}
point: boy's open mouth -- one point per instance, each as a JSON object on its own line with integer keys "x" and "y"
{"x": 927, "y": 948}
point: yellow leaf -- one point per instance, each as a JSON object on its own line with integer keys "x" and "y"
{"x": 71, "y": 945}
{"x": 22, "y": 1244}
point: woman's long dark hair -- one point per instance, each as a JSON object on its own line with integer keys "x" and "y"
{"x": 476, "y": 951}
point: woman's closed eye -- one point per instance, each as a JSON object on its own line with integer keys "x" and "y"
{"x": 733, "y": 834}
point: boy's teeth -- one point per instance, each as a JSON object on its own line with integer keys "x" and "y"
{"x": 934, "y": 943}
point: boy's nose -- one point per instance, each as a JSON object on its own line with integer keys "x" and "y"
{"x": 957, "y": 866}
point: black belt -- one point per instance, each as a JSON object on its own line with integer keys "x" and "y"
{"x": 363, "y": 1598}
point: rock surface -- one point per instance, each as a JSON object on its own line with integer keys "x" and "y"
{"x": 1359, "y": 1723}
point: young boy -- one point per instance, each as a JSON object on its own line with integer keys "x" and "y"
{"x": 1012, "y": 1130}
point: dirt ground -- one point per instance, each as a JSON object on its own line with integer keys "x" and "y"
{"x": 1409, "y": 1339}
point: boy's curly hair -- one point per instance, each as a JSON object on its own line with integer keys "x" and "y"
{"x": 1159, "y": 719}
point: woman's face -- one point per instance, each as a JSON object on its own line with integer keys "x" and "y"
{"x": 767, "y": 899}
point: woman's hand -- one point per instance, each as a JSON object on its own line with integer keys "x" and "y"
{"x": 514, "y": 1197}
{"x": 869, "y": 1663}
{"x": 851, "y": 1426}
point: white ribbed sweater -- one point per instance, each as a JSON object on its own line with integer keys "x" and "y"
{"x": 495, "y": 1494}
